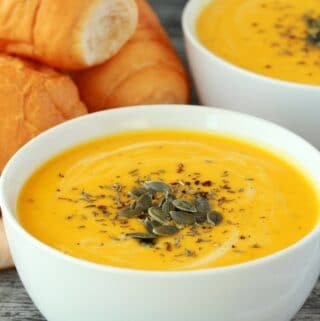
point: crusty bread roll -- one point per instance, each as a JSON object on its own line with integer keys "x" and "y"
{"x": 67, "y": 34}
{"x": 5, "y": 257}
{"x": 146, "y": 70}
{"x": 33, "y": 98}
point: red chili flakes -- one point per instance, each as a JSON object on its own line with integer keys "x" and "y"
{"x": 222, "y": 200}
{"x": 256, "y": 246}
{"x": 168, "y": 246}
{"x": 207, "y": 183}
{"x": 180, "y": 168}
{"x": 103, "y": 209}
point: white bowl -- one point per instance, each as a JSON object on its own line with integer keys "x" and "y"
{"x": 220, "y": 83}
{"x": 67, "y": 288}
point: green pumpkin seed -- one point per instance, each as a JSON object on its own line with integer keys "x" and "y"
{"x": 157, "y": 215}
{"x": 137, "y": 191}
{"x": 184, "y": 206}
{"x": 167, "y": 207}
{"x": 129, "y": 212}
{"x": 148, "y": 225}
{"x": 169, "y": 197}
{"x": 167, "y": 204}
{"x": 214, "y": 218}
{"x": 202, "y": 205}
{"x": 157, "y": 186}
{"x": 165, "y": 230}
{"x": 183, "y": 218}
{"x": 200, "y": 217}
{"x": 155, "y": 223}
{"x": 162, "y": 200}
{"x": 147, "y": 242}
{"x": 141, "y": 236}
{"x": 133, "y": 205}
{"x": 144, "y": 202}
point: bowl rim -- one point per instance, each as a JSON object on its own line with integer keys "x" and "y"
{"x": 9, "y": 217}
{"x": 188, "y": 26}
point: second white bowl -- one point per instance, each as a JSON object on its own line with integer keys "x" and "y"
{"x": 220, "y": 83}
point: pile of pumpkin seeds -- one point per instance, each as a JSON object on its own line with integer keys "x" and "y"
{"x": 163, "y": 214}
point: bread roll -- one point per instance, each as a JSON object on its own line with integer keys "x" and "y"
{"x": 67, "y": 34}
{"x": 5, "y": 257}
{"x": 146, "y": 70}
{"x": 33, "y": 98}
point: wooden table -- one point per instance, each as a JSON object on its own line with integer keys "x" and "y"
{"x": 15, "y": 304}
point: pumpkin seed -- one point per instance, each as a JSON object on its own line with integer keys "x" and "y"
{"x": 214, "y": 218}
{"x": 137, "y": 191}
{"x": 157, "y": 186}
{"x": 202, "y": 205}
{"x": 167, "y": 204}
{"x": 133, "y": 205}
{"x": 147, "y": 242}
{"x": 129, "y": 212}
{"x": 155, "y": 223}
{"x": 167, "y": 207}
{"x": 141, "y": 236}
{"x": 157, "y": 215}
{"x": 144, "y": 202}
{"x": 148, "y": 225}
{"x": 184, "y": 206}
{"x": 165, "y": 230}
{"x": 161, "y": 201}
{"x": 200, "y": 217}
{"x": 183, "y": 218}
{"x": 170, "y": 197}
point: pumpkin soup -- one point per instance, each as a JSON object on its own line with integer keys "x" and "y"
{"x": 168, "y": 200}
{"x": 276, "y": 38}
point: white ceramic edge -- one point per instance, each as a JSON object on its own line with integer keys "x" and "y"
{"x": 191, "y": 12}
{"x": 146, "y": 273}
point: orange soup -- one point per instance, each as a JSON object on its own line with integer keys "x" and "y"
{"x": 276, "y": 38}
{"x": 168, "y": 200}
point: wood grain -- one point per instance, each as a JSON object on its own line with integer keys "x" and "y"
{"x": 15, "y": 305}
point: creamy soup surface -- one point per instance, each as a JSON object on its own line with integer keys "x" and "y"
{"x": 276, "y": 38}
{"x": 260, "y": 203}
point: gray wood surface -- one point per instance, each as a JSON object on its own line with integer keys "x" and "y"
{"x": 15, "y": 304}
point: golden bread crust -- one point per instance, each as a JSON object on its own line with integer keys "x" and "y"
{"x": 146, "y": 70}
{"x": 5, "y": 256}
{"x": 33, "y": 98}
{"x": 55, "y": 32}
